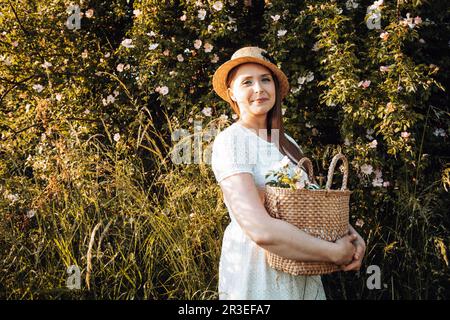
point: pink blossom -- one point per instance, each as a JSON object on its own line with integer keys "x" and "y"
{"x": 405, "y": 134}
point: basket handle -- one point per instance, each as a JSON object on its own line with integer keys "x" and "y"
{"x": 336, "y": 158}
{"x": 309, "y": 168}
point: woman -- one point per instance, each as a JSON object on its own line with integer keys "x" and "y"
{"x": 241, "y": 156}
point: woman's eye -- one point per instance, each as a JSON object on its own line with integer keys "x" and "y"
{"x": 266, "y": 79}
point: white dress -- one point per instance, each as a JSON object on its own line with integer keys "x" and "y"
{"x": 243, "y": 270}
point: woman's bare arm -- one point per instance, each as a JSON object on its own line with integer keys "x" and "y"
{"x": 275, "y": 235}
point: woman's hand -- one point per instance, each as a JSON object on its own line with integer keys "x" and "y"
{"x": 360, "y": 245}
{"x": 344, "y": 250}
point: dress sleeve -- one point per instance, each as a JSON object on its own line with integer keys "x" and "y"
{"x": 230, "y": 157}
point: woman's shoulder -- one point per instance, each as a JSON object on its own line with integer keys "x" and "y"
{"x": 227, "y": 135}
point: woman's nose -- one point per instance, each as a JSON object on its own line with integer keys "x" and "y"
{"x": 258, "y": 86}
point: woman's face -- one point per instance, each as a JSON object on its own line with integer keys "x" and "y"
{"x": 253, "y": 89}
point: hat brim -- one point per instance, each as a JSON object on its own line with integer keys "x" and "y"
{"x": 221, "y": 74}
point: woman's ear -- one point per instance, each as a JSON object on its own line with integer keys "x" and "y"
{"x": 230, "y": 93}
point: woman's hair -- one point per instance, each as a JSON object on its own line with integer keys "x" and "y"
{"x": 274, "y": 119}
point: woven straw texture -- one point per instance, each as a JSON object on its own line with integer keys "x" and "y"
{"x": 322, "y": 213}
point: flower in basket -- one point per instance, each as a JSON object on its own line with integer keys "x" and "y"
{"x": 283, "y": 177}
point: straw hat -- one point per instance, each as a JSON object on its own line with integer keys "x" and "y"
{"x": 246, "y": 55}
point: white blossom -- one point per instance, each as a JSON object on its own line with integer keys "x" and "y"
{"x": 137, "y": 12}
{"x": 373, "y": 144}
{"x": 218, "y": 5}
{"x": 275, "y": 17}
{"x": 208, "y": 47}
{"x": 207, "y": 111}
{"x": 180, "y": 58}
{"x": 164, "y": 90}
{"x": 366, "y": 169}
{"x": 215, "y": 59}
{"x": 46, "y": 65}
{"x": 281, "y": 33}
{"x": 183, "y": 17}
{"x": 116, "y": 137}
{"x": 440, "y": 132}
{"x": 201, "y": 14}
{"x": 351, "y": 4}
{"x": 31, "y": 214}
{"x": 153, "y": 46}
{"x": 89, "y": 13}
{"x": 127, "y": 43}
{"x": 120, "y": 67}
{"x": 197, "y": 44}
{"x": 38, "y": 87}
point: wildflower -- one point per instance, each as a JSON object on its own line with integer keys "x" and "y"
{"x": 223, "y": 117}
{"x": 284, "y": 162}
{"x": 127, "y": 43}
{"x": 373, "y": 144}
{"x": 166, "y": 52}
{"x": 316, "y": 47}
{"x": 359, "y": 223}
{"x": 153, "y": 46}
{"x": 183, "y": 17}
{"x": 439, "y": 132}
{"x": 15, "y": 44}
{"x": 164, "y": 90}
{"x": 151, "y": 34}
{"x": 38, "y": 87}
{"x": 210, "y": 28}
{"x": 384, "y": 68}
{"x": 384, "y": 36}
{"x": 31, "y": 214}
{"x": 107, "y": 55}
{"x": 405, "y": 134}
{"x": 366, "y": 169}
{"x": 300, "y": 184}
{"x": 180, "y": 58}
{"x": 347, "y": 142}
{"x": 46, "y": 65}
{"x": 89, "y": 13}
{"x": 208, "y": 47}
{"x": 190, "y": 120}
{"x": 283, "y": 111}
{"x": 173, "y": 73}
{"x": 197, "y": 44}
{"x": 58, "y": 96}
{"x": 207, "y": 111}
{"x": 84, "y": 54}
{"x": 378, "y": 173}
{"x": 365, "y": 84}
{"x": 12, "y": 197}
{"x": 310, "y": 76}
{"x": 137, "y": 12}
{"x": 116, "y": 137}
{"x": 417, "y": 20}
{"x": 218, "y": 5}
{"x": 386, "y": 184}
{"x": 234, "y": 116}
{"x": 120, "y": 67}
{"x": 215, "y": 59}
{"x": 110, "y": 99}
{"x": 201, "y": 14}
{"x": 281, "y": 33}
{"x": 377, "y": 182}
{"x": 275, "y": 17}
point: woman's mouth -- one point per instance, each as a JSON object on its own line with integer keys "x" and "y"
{"x": 260, "y": 100}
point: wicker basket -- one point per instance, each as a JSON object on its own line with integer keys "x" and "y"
{"x": 321, "y": 213}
